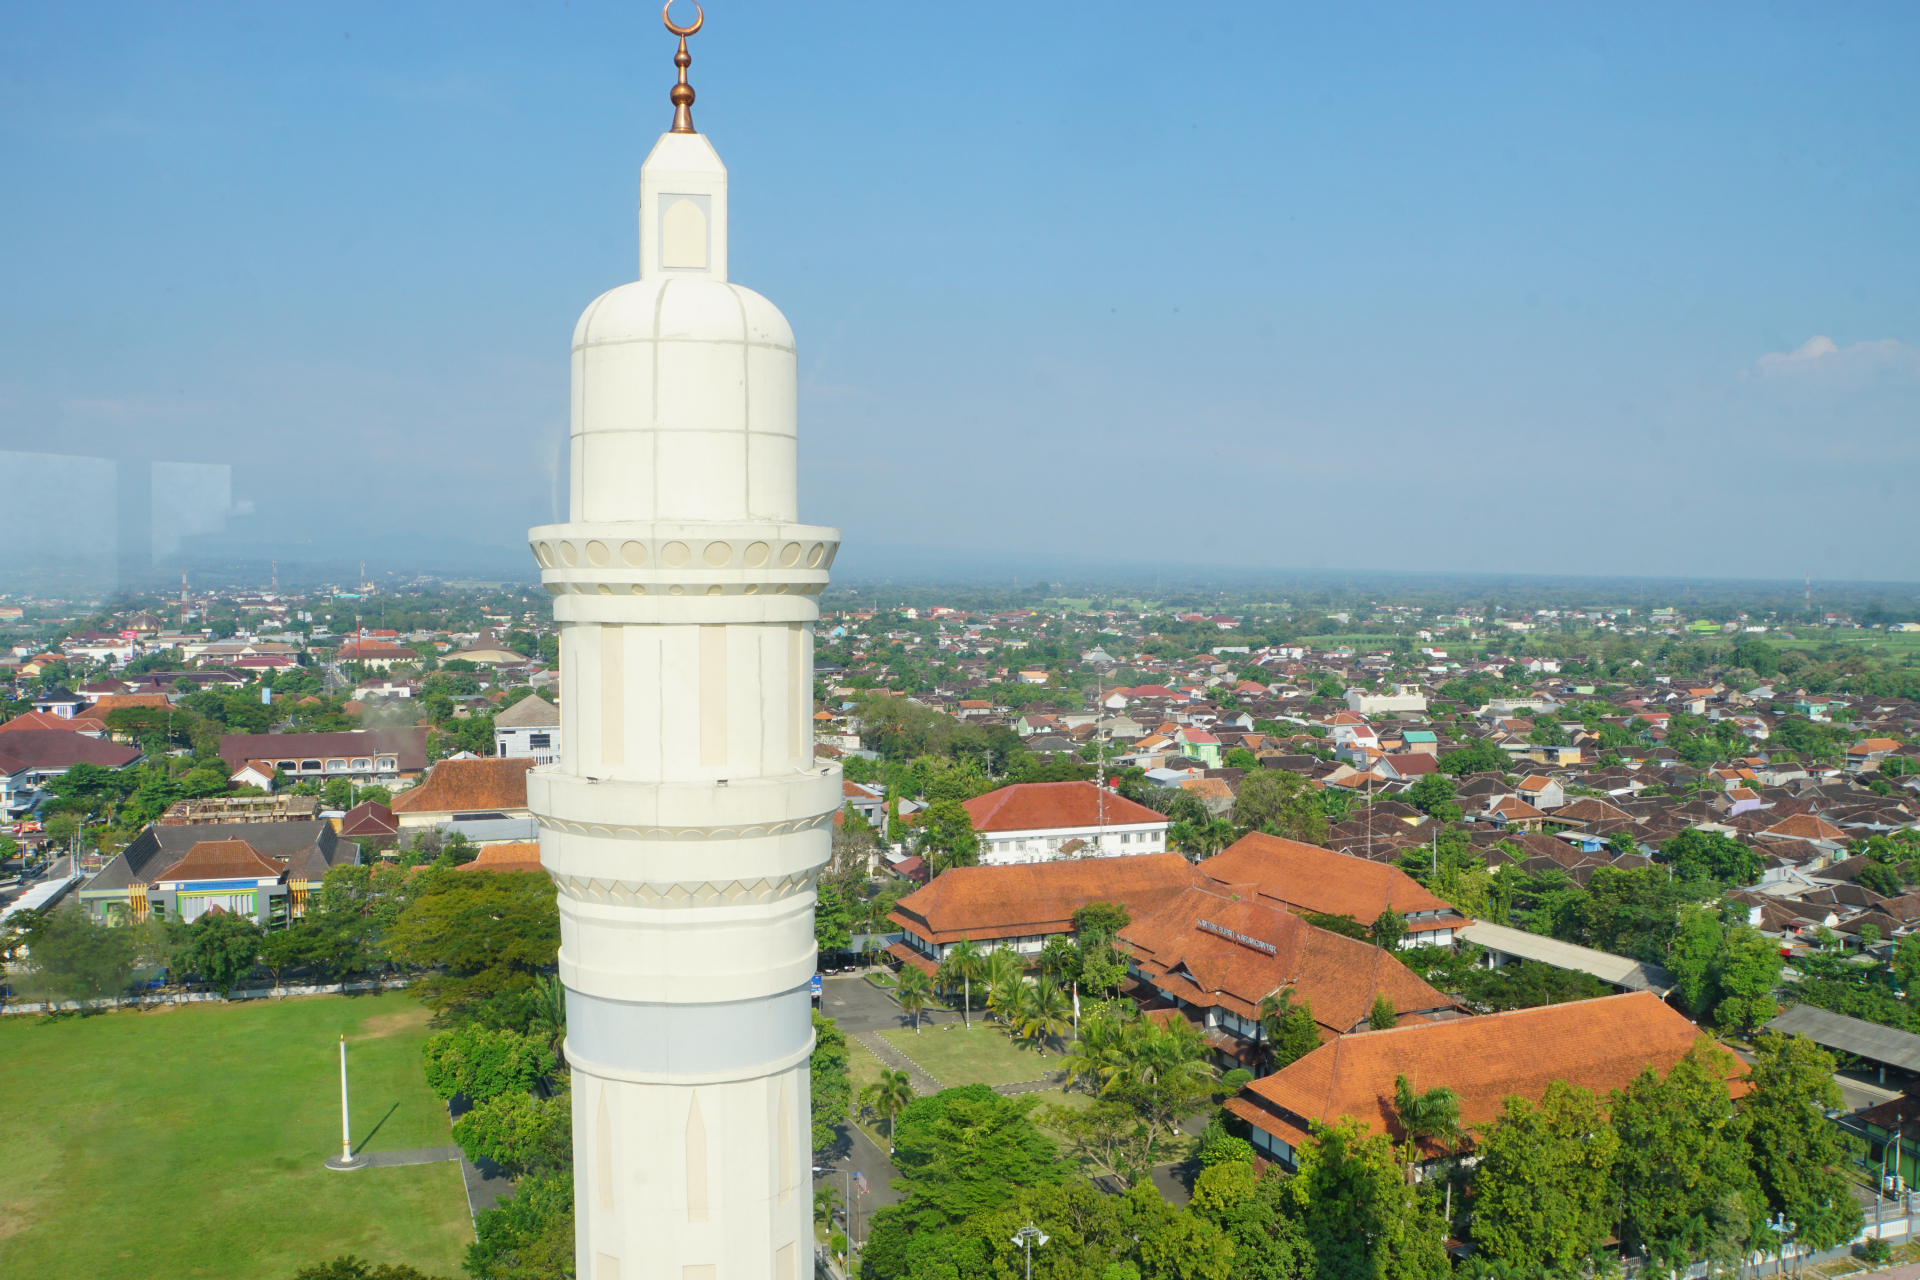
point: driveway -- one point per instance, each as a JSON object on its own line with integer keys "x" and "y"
{"x": 857, "y": 1005}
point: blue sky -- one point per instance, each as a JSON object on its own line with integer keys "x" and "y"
{"x": 1538, "y": 289}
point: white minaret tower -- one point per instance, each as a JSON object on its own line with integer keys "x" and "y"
{"x": 687, "y": 822}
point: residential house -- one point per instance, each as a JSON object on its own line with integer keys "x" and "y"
{"x": 473, "y": 790}
{"x": 29, "y": 758}
{"x": 1032, "y": 821}
{"x": 487, "y": 651}
{"x": 530, "y": 728}
{"x": 1405, "y": 697}
{"x": 385, "y": 756}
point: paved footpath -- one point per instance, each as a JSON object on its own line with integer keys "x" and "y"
{"x": 923, "y": 1084}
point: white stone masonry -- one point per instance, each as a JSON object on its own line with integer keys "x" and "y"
{"x": 687, "y": 822}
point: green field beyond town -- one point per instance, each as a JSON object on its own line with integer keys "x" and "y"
{"x": 189, "y": 1141}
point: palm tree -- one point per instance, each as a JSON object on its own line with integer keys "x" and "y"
{"x": 1047, "y": 1014}
{"x": 550, "y": 1012}
{"x": 965, "y": 962}
{"x": 1058, "y": 957}
{"x": 1433, "y": 1115}
{"x": 1006, "y": 978}
{"x": 915, "y": 992}
{"x": 891, "y": 1094}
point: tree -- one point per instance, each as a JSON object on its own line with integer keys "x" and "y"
{"x": 1432, "y": 1117}
{"x": 832, "y": 918}
{"x": 348, "y": 1267}
{"x": 829, "y": 1079}
{"x": 1006, "y": 980}
{"x": 1704, "y": 855}
{"x": 478, "y": 1063}
{"x": 1280, "y": 803}
{"x": 1690, "y": 958}
{"x": 961, "y": 1154}
{"x": 1361, "y": 1218}
{"x": 1269, "y": 1243}
{"x": 1105, "y": 919}
{"x": 1906, "y": 961}
{"x": 70, "y": 957}
{"x": 1683, "y": 1147}
{"x": 947, "y": 837}
{"x": 964, "y": 962}
{"x": 1543, "y": 1190}
{"x": 530, "y": 1236}
{"x": 914, "y": 992}
{"x": 1881, "y": 879}
{"x": 1046, "y": 1015}
{"x": 1382, "y": 1017}
{"x": 1107, "y": 1135}
{"x": 519, "y": 1132}
{"x": 888, "y": 1096}
{"x": 1481, "y": 757}
{"x": 1161, "y": 1072}
{"x": 1173, "y": 1244}
{"x": 1796, "y": 1153}
{"x": 476, "y": 934}
{"x": 222, "y": 947}
{"x": 1433, "y": 795}
{"x": 1389, "y": 927}
{"x": 1746, "y": 969}
{"x": 1288, "y": 1031}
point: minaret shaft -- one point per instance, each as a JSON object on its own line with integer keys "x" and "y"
{"x": 686, "y": 823}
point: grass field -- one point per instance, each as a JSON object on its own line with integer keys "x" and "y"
{"x": 188, "y": 1141}
{"x": 984, "y": 1055}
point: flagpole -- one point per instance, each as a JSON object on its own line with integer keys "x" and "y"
{"x": 346, "y": 1159}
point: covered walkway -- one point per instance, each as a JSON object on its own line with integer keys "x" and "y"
{"x": 1517, "y": 944}
{"x": 1882, "y": 1046}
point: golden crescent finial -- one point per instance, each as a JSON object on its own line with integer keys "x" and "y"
{"x": 682, "y": 95}
{"x": 699, "y": 19}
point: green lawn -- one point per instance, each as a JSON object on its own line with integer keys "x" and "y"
{"x": 984, "y": 1055}
{"x": 188, "y": 1142}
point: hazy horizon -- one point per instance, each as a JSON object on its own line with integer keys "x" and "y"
{"x": 1273, "y": 290}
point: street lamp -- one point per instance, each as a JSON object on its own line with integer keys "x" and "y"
{"x": 1027, "y": 1237}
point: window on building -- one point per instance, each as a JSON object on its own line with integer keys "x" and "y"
{"x": 539, "y": 741}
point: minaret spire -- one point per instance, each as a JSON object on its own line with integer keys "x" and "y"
{"x": 682, "y": 95}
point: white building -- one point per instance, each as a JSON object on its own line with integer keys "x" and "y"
{"x": 1042, "y": 821}
{"x": 530, "y": 727}
{"x": 686, "y": 822}
{"x": 1405, "y": 697}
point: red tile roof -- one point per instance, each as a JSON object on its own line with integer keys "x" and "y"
{"x": 60, "y": 748}
{"x": 1033, "y": 806}
{"x": 507, "y": 857}
{"x": 469, "y": 786}
{"x": 1304, "y": 877}
{"x": 1183, "y": 951}
{"x": 1804, "y": 826}
{"x": 1596, "y": 1044}
{"x": 223, "y": 860}
{"x": 1037, "y": 898}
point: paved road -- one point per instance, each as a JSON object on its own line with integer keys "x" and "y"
{"x": 870, "y": 1160}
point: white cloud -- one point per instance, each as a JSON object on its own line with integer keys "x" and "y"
{"x": 1820, "y": 354}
